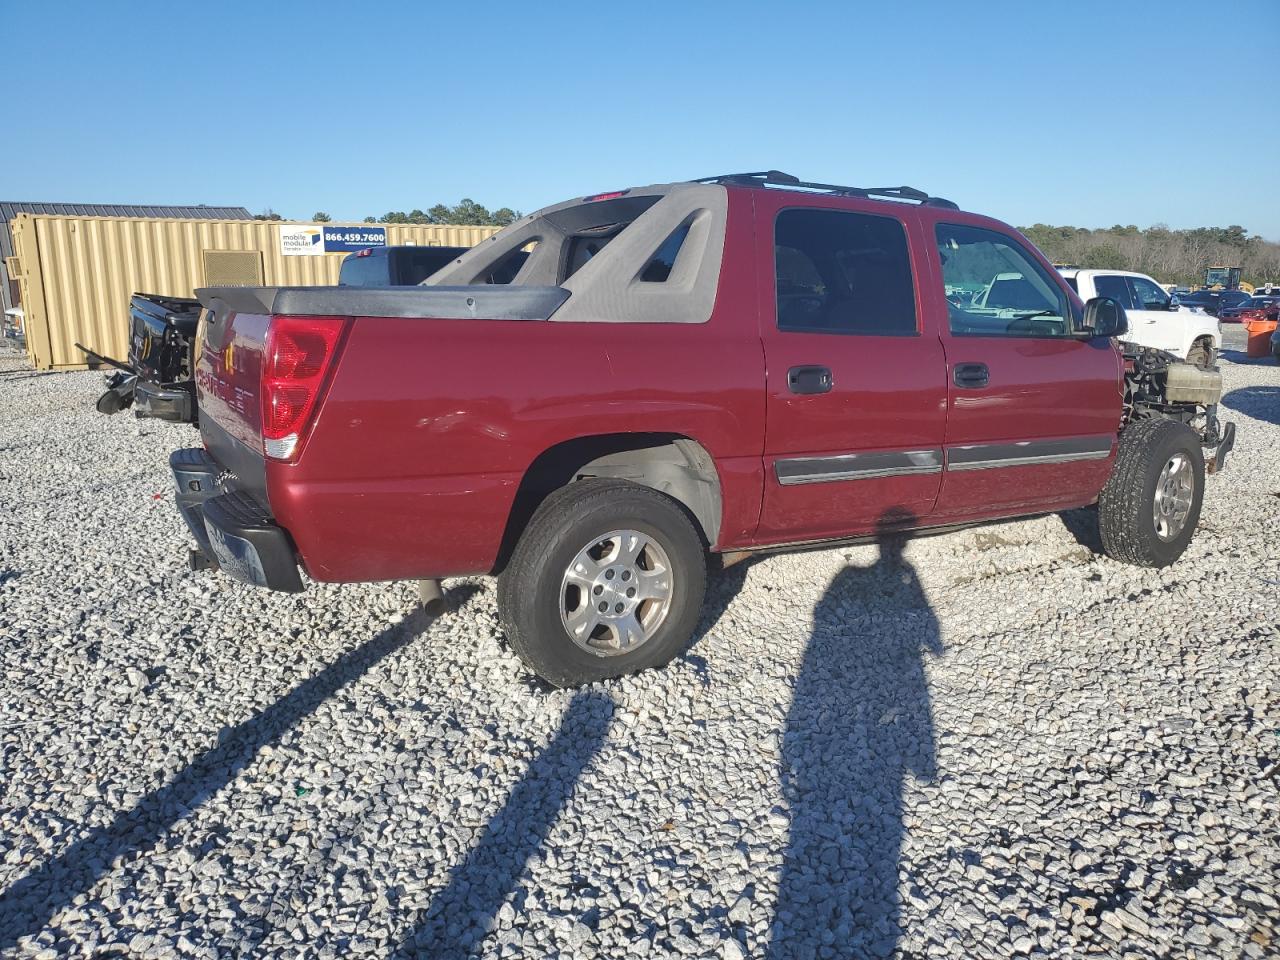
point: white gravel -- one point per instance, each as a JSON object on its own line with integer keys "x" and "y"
{"x": 1003, "y": 745}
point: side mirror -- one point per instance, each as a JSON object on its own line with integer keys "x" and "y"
{"x": 1104, "y": 317}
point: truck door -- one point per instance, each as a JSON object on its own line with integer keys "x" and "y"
{"x": 1032, "y": 408}
{"x": 1153, "y": 322}
{"x": 856, "y": 389}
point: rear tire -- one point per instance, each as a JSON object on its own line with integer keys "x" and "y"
{"x": 583, "y": 534}
{"x": 1202, "y": 354}
{"x": 1149, "y": 508}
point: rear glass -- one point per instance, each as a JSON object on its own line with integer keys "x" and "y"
{"x": 367, "y": 271}
{"x": 1071, "y": 282}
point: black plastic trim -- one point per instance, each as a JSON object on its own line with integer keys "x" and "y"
{"x": 478, "y": 302}
{"x": 247, "y": 545}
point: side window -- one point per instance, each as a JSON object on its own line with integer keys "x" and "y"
{"x": 996, "y": 289}
{"x": 843, "y": 272}
{"x": 1117, "y": 288}
{"x": 1149, "y": 296}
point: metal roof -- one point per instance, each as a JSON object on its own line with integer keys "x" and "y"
{"x": 11, "y": 208}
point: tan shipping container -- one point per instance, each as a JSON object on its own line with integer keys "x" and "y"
{"x": 76, "y": 274}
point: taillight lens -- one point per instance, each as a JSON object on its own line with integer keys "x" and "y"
{"x": 299, "y": 357}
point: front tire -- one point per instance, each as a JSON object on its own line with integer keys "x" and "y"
{"x": 1149, "y": 508}
{"x": 607, "y": 579}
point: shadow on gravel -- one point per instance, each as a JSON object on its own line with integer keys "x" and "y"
{"x": 28, "y": 905}
{"x": 1082, "y": 524}
{"x": 860, "y": 722}
{"x": 1243, "y": 359}
{"x": 459, "y": 915}
{"x": 1261, "y": 403}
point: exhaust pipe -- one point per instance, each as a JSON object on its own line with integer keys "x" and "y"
{"x": 431, "y": 595}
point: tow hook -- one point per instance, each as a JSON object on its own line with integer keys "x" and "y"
{"x": 1218, "y": 462}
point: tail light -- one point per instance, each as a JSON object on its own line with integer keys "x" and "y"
{"x": 296, "y": 369}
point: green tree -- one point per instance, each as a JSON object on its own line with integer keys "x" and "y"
{"x": 267, "y": 214}
{"x": 321, "y": 217}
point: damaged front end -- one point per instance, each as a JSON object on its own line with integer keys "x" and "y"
{"x": 1158, "y": 384}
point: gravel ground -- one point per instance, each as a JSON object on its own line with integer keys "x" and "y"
{"x": 994, "y": 744}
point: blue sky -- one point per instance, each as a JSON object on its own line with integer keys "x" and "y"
{"x": 1068, "y": 112}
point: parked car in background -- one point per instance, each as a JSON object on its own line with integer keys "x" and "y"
{"x": 156, "y": 378}
{"x": 406, "y": 266}
{"x": 1255, "y": 308}
{"x": 1155, "y": 319}
{"x": 394, "y": 266}
{"x": 737, "y": 364}
{"x": 1211, "y": 301}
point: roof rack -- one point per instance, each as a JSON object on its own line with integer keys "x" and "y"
{"x": 777, "y": 178}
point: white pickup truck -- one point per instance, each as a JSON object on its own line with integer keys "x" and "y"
{"x": 1154, "y": 320}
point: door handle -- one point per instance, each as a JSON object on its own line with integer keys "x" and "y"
{"x": 809, "y": 380}
{"x": 970, "y": 376}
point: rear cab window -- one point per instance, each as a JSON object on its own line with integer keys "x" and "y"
{"x": 364, "y": 269}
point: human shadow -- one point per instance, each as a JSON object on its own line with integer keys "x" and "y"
{"x": 461, "y": 914}
{"x": 859, "y": 723}
{"x": 28, "y": 905}
{"x": 1260, "y": 403}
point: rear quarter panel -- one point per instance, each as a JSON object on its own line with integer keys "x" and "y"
{"x": 429, "y": 426}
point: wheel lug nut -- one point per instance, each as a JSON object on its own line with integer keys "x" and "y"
{"x": 626, "y": 574}
{"x": 598, "y": 590}
{"x": 608, "y": 574}
{"x": 617, "y": 608}
{"x": 631, "y": 591}
{"x": 604, "y": 607}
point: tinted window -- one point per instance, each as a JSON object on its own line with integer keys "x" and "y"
{"x": 414, "y": 266}
{"x": 364, "y": 271}
{"x": 1009, "y": 293}
{"x": 843, "y": 273}
{"x": 658, "y": 269}
{"x": 1150, "y": 297}
{"x": 1071, "y": 282}
{"x": 1117, "y": 288}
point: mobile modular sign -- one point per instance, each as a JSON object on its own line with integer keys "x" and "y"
{"x": 308, "y": 240}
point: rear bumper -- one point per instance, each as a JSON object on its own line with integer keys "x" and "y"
{"x": 232, "y": 528}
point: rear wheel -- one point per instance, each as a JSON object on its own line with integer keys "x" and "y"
{"x": 607, "y": 579}
{"x": 1202, "y": 353}
{"x": 1148, "y": 511}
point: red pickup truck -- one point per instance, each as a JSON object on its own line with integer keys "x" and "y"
{"x": 737, "y": 364}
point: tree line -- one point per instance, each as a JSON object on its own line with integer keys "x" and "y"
{"x": 1170, "y": 256}
{"x": 466, "y": 213}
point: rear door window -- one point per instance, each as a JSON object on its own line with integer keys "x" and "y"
{"x": 843, "y": 272}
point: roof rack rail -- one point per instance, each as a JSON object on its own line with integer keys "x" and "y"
{"x": 761, "y": 178}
